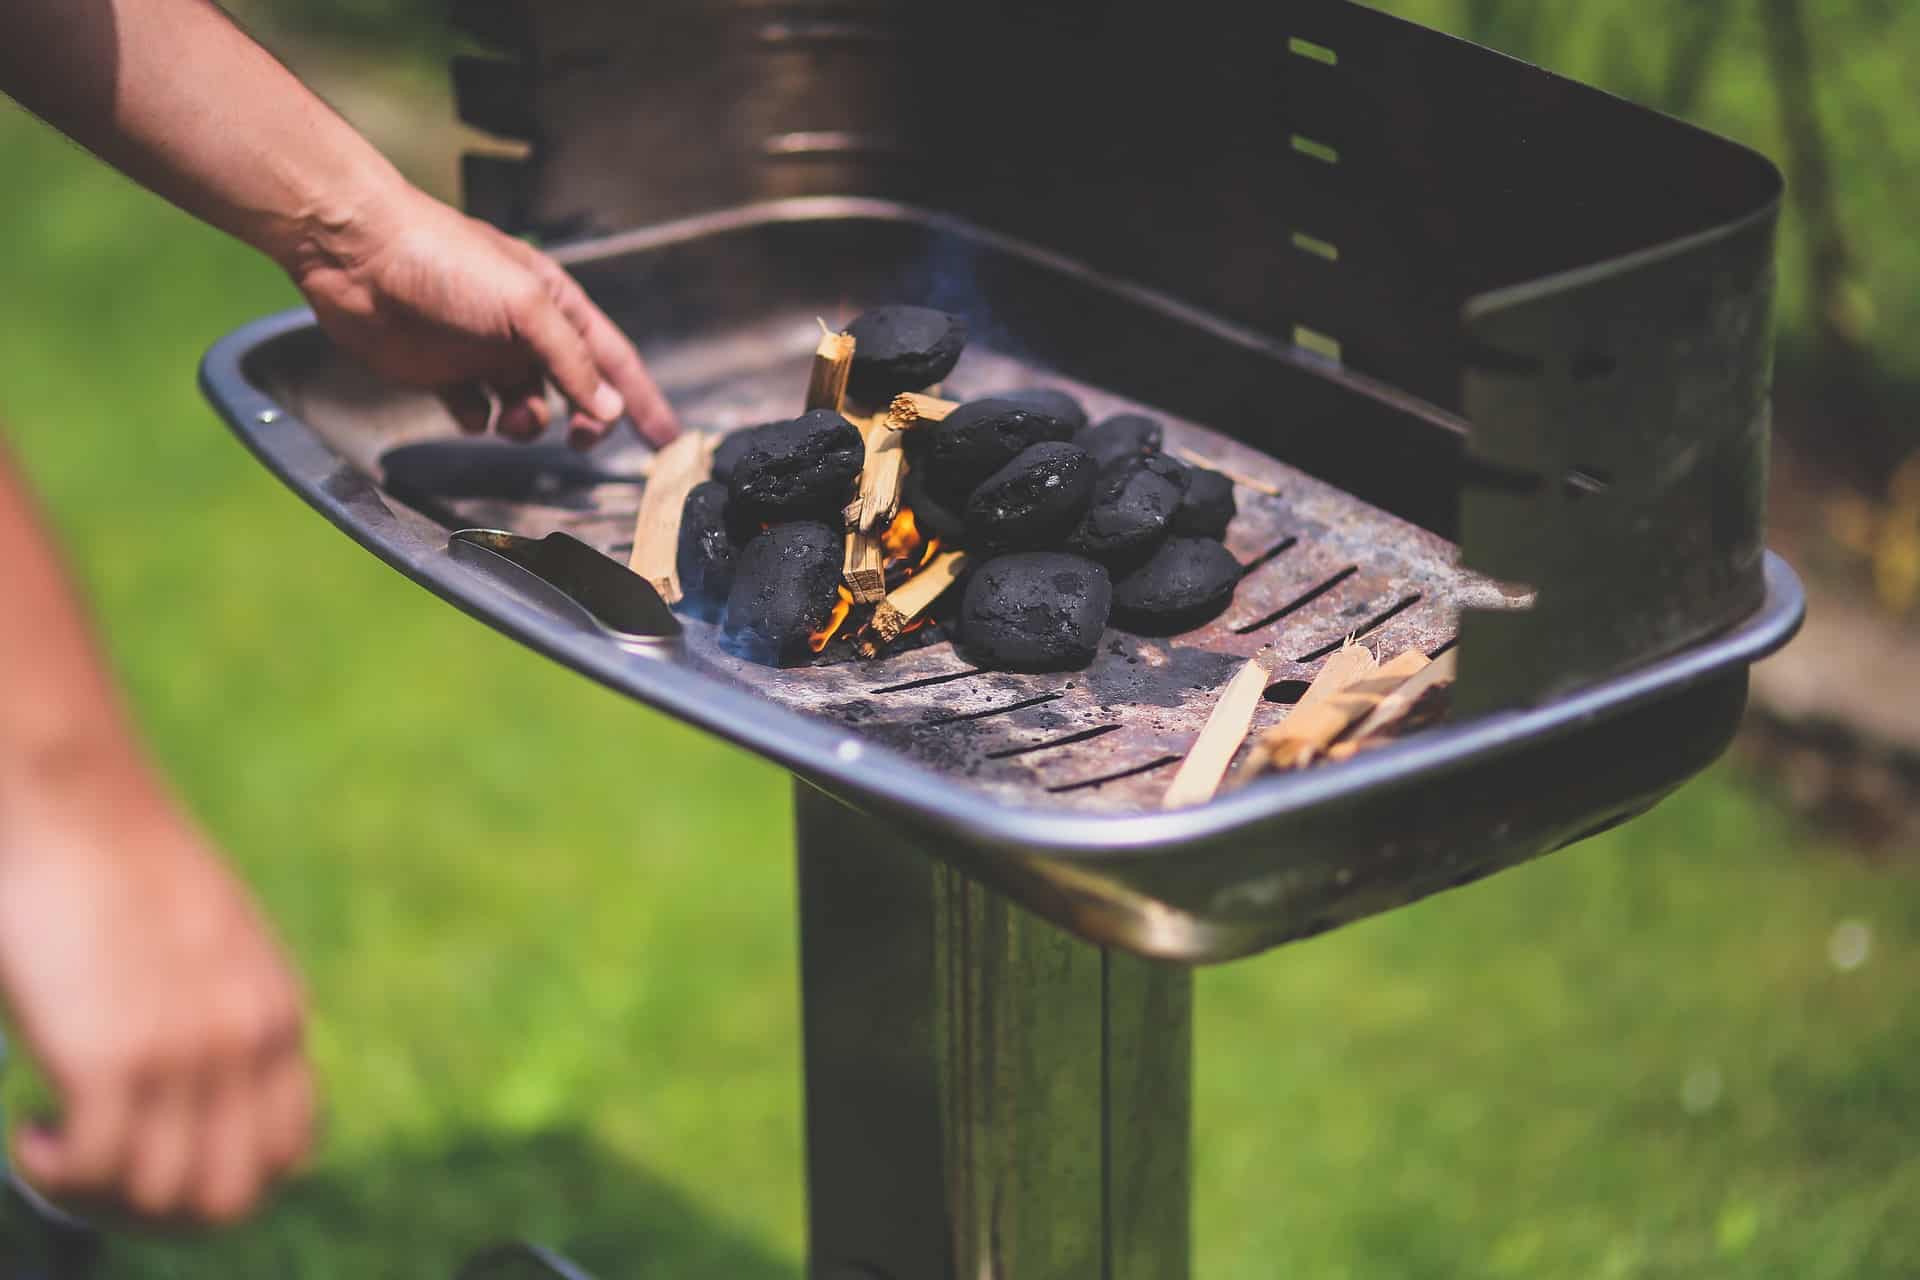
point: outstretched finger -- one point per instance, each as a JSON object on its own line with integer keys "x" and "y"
{"x": 562, "y": 350}
{"x": 619, "y": 362}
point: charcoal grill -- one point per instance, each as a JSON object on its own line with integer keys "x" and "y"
{"x": 1500, "y": 345}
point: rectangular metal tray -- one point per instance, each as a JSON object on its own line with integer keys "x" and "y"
{"x": 1048, "y": 786}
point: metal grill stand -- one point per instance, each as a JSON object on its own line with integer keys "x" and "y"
{"x": 985, "y": 1095}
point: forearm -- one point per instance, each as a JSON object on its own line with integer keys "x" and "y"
{"x": 63, "y": 736}
{"x": 174, "y": 95}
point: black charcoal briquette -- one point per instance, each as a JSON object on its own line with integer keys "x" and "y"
{"x": 1050, "y": 401}
{"x": 1123, "y": 436}
{"x": 707, "y": 553}
{"x": 931, "y": 515}
{"x": 899, "y": 349}
{"x": 978, "y": 439}
{"x": 1208, "y": 507}
{"x": 1035, "y": 611}
{"x": 733, "y": 446}
{"x": 785, "y": 584}
{"x": 798, "y": 470}
{"x": 1186, "y": 583}
{"x": 1133, "y": 506}
{"x": 1033, "y": 502}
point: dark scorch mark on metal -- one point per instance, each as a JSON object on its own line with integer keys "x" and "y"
{"x": 1299, "y": 602}
{"x": 930, "y": 681}
{"x": 1089, "y": 784}
{"x": 1022, "y": 705}
{"x": 1378, "y": 621}
{"x": 1085, "y": 735}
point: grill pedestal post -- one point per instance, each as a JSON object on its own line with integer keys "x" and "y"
{"x": 986, "y": 1096}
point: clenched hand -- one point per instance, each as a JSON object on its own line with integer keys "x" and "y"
{"x": 156, "y": 1001}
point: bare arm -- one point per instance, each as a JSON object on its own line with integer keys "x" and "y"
{"x": 176, "y": 96}
{"x": 140, "y": 973}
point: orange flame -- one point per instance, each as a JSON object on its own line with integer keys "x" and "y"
{"x": 841, "y": 608}
{"x": 902, "y": 537}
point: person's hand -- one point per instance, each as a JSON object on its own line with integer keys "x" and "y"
{"x": 146, "y": 985}
{"x": 432, "y": 298}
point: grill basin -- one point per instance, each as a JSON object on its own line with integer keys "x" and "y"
{"x": 1320, "y": 249}
{"x": 1048, "y": 786}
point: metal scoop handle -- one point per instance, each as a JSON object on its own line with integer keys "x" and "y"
{"x": 570, "y": 578}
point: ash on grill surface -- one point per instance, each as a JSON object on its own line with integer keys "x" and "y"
{"x": 1035, "y": 611}
{"x": 707, "y": 553}
{"x": 1208, "y": 507}
{"x": 1133, "y": 508}
{"x": 902, "y": 349}
{"x": 1186, "y": 583}
{"x": 1123, "y": 436}
{"x": 978, "y": 439}
{"x": 785, "y": 585}
{"x": 1050, "y": 401}
{"x": 1033, "y": 502}
{"x": 798, "y": 470}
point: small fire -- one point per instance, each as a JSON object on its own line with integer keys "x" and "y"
{"x": 902, "y": 537}
{"x": 841, "y": 608}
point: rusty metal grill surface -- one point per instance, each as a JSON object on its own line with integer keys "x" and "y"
{"x": 1324, "y": 566}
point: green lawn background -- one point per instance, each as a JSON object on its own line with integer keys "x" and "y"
{"x": 550, "y": 937}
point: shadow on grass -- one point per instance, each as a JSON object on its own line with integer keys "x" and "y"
{"x": 418, "y": 1214}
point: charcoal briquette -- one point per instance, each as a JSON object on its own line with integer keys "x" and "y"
{"x": 931, "y": 515}
{"x": 1050, "y": 401}
{"x": 1132, "y": 511}
{"x": 1033, "y": 502}
{"x": 1123, "y": 436}
{"x": 1186, "y": 583}
{"x": 733, "y": 446}
{"x": 785, "y": 584}
{"x": 1035, "y": 611}
{"x": 707, "y": 553}
{"x": 902, "y": 349}
{"x": 798, "y": 470}
{"x": 978, "y": 439}
{"x": 1208, "y": 507}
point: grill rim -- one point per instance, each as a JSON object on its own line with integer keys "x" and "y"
{"x": 809, "y": 746}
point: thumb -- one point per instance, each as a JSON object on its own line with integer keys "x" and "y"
{"x": 563, "y": 351}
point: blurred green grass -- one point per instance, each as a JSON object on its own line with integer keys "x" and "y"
{"x": 550, "y": 938}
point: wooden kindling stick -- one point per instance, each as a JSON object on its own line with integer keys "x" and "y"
{"x": 677, "y": 467}
{"x": 1240, "y": 478}
{"x": 906, "y": 602}
{"x": 1396, "y": 706}
{"x": 1206, "y": 763}
{"x": 865, "y": 568}
{"x": 832, "y": 362}
{"x": 910, "y": 407}
{"x": 1357, "y": 687}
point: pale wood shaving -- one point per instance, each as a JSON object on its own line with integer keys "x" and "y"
{"x": 906, "y": 602}
{"x": 832, "y": 362}
{"x": 865, "y": 568}
{"x": 677, "y": 468}
{"x": 1206, "y": 764}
